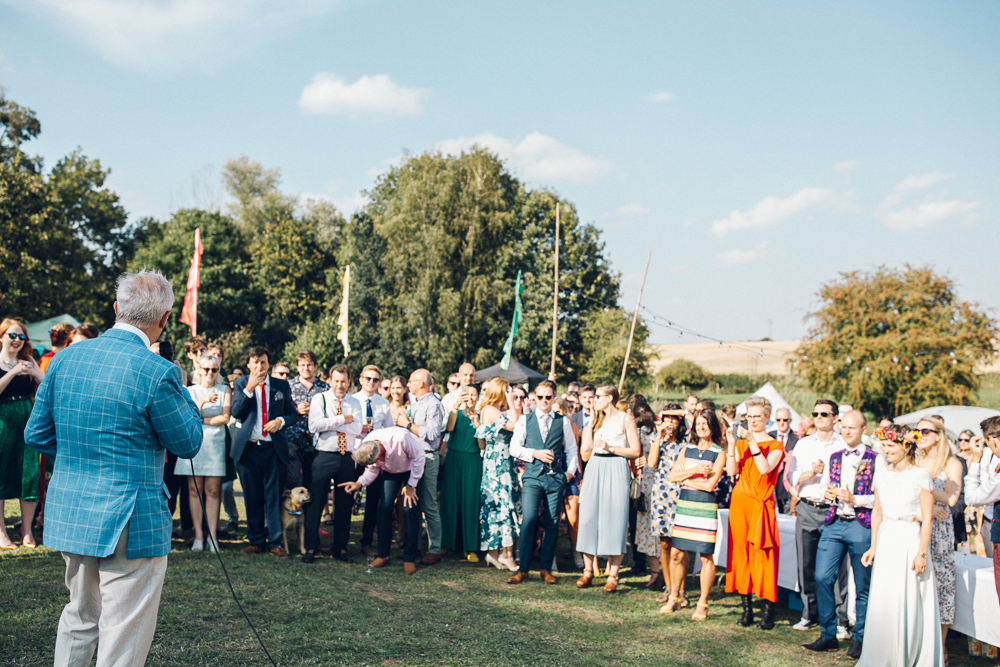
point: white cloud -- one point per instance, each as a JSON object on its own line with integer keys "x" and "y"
{"x": 538, "y": 157}
{"x": 901, "y": 212}
{"x": 738, "y": 256}
{"x": 846, "y": 165}
{"x": 633, "y": 209}
{"x": 327, "y": 93}
{"x": 167, "y": 34}
{"x": 929, "y": 213}
{"x": 689, "y": 221}
{"x": 770, "y": 211}
{"x": 662, "y": 96}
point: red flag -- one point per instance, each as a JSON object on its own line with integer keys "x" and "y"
{"x": 189, "y": 313}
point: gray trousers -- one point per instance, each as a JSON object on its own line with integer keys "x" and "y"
{"x": 427, "y": 493}
{"x": 113, "y": 603}
{"x": 808, "y": 523}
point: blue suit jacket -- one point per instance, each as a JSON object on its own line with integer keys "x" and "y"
{"x": 105, "y": 411}
{"x": 244, "y": 409}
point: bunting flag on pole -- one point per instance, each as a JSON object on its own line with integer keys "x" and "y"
{"x": 189, "y": 313}
{"x": 342, "y": 320}
{"x": 509, "y": 345}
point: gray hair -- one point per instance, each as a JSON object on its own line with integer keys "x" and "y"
{"x": 143, "y": 298}
{"x": 759, "y": 402}
{"x": 367, "y": 452}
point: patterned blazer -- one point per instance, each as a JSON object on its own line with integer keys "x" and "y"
{"x": 244, "y": 409}
{"x": 105, "y": 411}
{"x": 864, "y": 483}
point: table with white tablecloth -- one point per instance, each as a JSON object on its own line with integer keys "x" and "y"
{"x": 977, "y": 609}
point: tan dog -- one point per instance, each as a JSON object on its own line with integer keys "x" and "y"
{"x": 292, "y": 508}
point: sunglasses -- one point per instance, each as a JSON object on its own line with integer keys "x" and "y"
{"x": 210, "y": 370}
{"x": 548, "y": 397}
{"x": 822, "y": 414}
{"x": 926, "y": 431}
{"x": 282, "y": 373}
{"x": 963, "y": 440}
{"x": 14, "y": 336}
{"x": 452, "y": 384}
{"x": 782, "y": 419}
{"x": 370, "y": 379}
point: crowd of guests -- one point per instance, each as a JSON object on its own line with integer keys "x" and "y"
{"x": 500, "y": 472}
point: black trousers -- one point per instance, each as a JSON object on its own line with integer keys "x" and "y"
{"x": 177, "y": 485}
{"x": 337, "y": 468}
{"x": 392, "y": 484}
{"x": 639, "y": 560}
{"x": 298, "y": 472}
{"x": 373, "y": 500}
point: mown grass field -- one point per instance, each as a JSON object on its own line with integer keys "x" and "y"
{"x": 454, "y": 613}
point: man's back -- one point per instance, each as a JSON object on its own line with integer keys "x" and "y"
{"x": 106, "y": 410}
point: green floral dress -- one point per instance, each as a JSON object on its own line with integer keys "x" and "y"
{"x": 500, "y": 505}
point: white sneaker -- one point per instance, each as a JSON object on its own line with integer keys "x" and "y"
{"x": 804, "y": 624}
{"x": 210, "y": 546}
{"x": 197, "y": 545}
{"x": 843, "y": 632}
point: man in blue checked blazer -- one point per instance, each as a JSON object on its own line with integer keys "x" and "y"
{"x": 106, "y": 411}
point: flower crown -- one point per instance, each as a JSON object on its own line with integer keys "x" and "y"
{"x": 911, "y": 437}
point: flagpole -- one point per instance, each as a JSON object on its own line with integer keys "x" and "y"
{"x": 635, "y": 316}
{"x": 555, "y": 301}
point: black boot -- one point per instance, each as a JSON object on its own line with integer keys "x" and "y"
{"x": 746, "y": 620}
{"x": 767, "y": 620}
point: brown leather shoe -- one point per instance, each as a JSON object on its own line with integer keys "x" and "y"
{"x": 409, "y": 568}
{"x": 368, "y": 551}
{"x": 518, "y": 578}
{"x": 547, "y": 577}
{"x": 586, "y": 581}
{"x": 253, "y": 549}
{"x": 279, "y": 552}
{"x": 431, "y": 559}
{"x": 380, "y": 562}
{"x": 611, "y": 586}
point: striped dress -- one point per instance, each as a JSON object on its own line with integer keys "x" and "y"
{"x": 697, "y": 516}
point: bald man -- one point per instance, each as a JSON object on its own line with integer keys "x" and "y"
{"x": 848, "y": 483}
{"x": 427, "y": 423}
{"x": 466, "y": 375}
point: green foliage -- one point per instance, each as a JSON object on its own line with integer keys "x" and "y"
{"x": 259, "y": 202}
{"x": 17, "y": 125}
{"x": 234, "y": 345}
{"x": 681, "y": 373}
{"x": 605, "y": 341}
{"x": 892, "y": 341}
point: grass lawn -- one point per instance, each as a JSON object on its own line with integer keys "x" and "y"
{"x": 454, "y": 613}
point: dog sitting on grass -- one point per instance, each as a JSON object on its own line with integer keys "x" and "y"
{"x": 292, "y": 503}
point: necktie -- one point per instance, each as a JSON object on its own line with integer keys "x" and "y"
{"x": 341, "y": 437}
{"x": 543, "y": 422}
{"x": 263, "y": 409}
{"x": 851, "y": 452}
{"x": 368, "y": 411}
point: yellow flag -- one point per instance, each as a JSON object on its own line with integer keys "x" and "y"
{"x": 342, "y": 320}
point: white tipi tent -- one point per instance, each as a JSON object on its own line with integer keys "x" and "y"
{"x": 770, "y": 393}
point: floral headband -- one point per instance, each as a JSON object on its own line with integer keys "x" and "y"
{"x": 892, "y": 436}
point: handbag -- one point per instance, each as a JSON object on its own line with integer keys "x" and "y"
{"x": 635, "y": 493}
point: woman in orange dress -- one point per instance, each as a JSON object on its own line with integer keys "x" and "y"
{"x": 753, "y": 526}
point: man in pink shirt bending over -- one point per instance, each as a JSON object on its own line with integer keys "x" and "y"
{"x": 398, "y": 456}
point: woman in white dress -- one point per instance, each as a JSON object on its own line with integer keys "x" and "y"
{"x": 608, "y": 441}
{"x": 206, "y": 470}
{"x": 902, "y": 623}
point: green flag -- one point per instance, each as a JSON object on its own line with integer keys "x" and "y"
{"x": 509, "y": 345}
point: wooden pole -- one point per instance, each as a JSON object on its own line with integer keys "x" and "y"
{"x": 635, "y": 316}
{"x": 555, "y": 300}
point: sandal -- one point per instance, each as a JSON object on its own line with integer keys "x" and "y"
{"x": 671, "y": 605}
{"x": 701, "y": 613}
{"x": 586, "y": 581}
{"x": 655, "y": 582}
{"x": 684, "y": 602}
{"x": 612, "y": 584}
{"x": 664, "y": 596}
{"x": 30, "y": 545}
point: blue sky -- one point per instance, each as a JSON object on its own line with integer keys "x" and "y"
{"x": 759, "y": 149}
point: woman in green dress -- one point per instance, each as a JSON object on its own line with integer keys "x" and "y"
{"x": 463, "y": 472}
{"x": 19, "y": 471}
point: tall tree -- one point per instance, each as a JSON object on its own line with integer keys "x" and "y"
{"x": 605, "y": 342}
{"x": 895, "y": 340}
{"x": 258, "y": 200}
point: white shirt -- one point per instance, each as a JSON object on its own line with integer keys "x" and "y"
{"x": 136, "y": 330}
{"x": 326, "y": 423}
{"x": 381, "y": 416}
{"x": 982, "y": 483}
{"x": 519, "y": 451}
{"x": 848, "y": 473}
{"x": 258, "y": 434}
{"x": 448, "y": 402}
{"x": 809, "y": 450}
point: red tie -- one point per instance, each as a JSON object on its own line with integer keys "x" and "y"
{"x": 263, "y": 409}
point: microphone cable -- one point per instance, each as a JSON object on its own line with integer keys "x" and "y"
{"x": 218, "y": 554}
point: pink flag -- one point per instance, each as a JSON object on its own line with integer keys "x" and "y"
{"x": 189, "y": 313}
